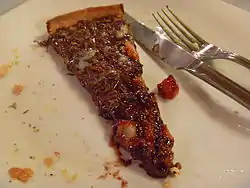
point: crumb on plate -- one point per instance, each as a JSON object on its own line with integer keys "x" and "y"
{"x": 116, "y": 174}
{"x": 166, "y": 184}
{"x": 13, "y": 105}
{"x": 111, "y": 169}
{"x": 35, "y": 129}
{"x": 57, "y": 154}
{"x": 48, "y": 162}
{"x": 174, "y": 171}
{"x": 17, "y": 89}
{"x": 67, "y": 176}
{"x": 26, "y": 111}
{"x": 50, "y": 173}
{"x": 4, "y": 69}
{"x": 32, "y": 157}
{"x": 124, "y": 184}
{"x": 103, "y": 176}
{"x": 21, "y": 174}
{"x": 14, "y": 50}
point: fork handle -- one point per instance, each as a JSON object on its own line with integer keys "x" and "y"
{"x": 239, "y": 59}
{"x": 222, "y": 83}
{"x": 223, "y": 54}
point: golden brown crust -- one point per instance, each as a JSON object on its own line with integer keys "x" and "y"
{"x": 91, "y": 13}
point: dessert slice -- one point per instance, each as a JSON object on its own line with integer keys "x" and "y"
{"x": 98, "y": 47}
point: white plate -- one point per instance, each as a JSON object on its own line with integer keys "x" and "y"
{"x": 212, "y": 140}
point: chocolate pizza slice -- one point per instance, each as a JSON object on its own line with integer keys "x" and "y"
{"x": 98, "y": 47}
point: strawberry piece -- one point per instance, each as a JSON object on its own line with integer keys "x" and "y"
{"x": 168, "y": 88}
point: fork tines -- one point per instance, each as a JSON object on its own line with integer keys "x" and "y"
{"x": 178, "y": 31}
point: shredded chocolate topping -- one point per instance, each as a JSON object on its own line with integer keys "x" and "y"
{"x": 100, "y": 53}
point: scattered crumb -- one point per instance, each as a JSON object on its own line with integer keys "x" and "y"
{"x": 35, "y": 129}
{"x": 28, "y": 66}
{"x": 116, "y": 174}
{"x": 124, "y": 184}
{"x": 178, "y": 165}
{"x": 32, "y": 157}
{"x": 52, "y": 173}
{"x": 10, "y": 181}
{"x": 21, "y": 174}
{"x": 4, "y": 69}
{"x": 15, "y": 61}
{"x": 13, "y": 105}
{"x": 175, "y": 171}
{"x": 26, "y": 111}
{"x": 17, "y": 89}
{"x": 103, "y": 176}
{"x": 106, "y": 168}
{"x": 113, "y": 163}
{"x": 57, "y": 154}
{"x": 43, "y": 43}
{"x": 14, "y": 51}
{"x": 82, "y": 117}
{"x": 40, "y": 83}
{"x": 15, "y": 147}
{"x": 40, "y": 118}
{"x": 53, "y": 84}
{"x": 68, "y": 177}
{"x": 166, "y": 184}
{"x": 48, "y": 162}
{"x": 110, "y": 170}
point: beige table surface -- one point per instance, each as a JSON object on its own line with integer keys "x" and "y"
{"x": 5, "y": 5}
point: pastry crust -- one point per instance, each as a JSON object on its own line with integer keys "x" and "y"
{"x": 91, "y": 13}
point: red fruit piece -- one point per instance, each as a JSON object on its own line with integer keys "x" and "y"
{"x": 168, "y": 88}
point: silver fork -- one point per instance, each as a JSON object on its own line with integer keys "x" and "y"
{"x": 186, "y": 38}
